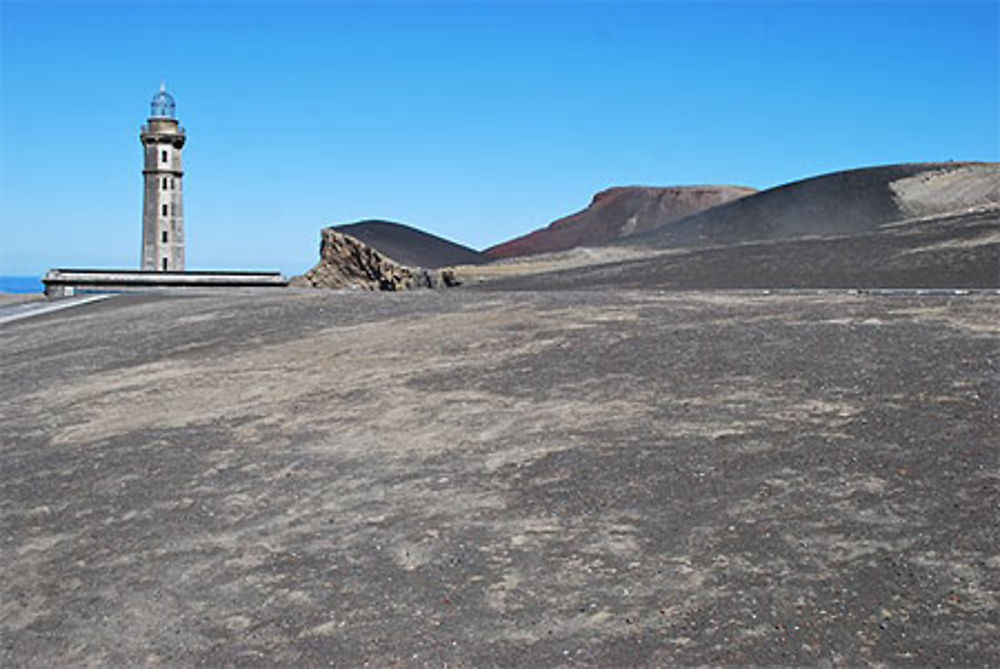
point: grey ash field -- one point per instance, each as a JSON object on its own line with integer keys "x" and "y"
{"x": 477, "y": 478}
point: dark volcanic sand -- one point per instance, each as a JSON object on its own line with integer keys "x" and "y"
{"x": 524, "y": 479}
{"x": 410, "y": 246}
{"x": 951, "y": 251}
{"x": 841, "y": 203}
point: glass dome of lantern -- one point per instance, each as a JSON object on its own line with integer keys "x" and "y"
{"x": 163, "y": 105}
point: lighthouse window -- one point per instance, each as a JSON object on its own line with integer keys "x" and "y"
{"x": 164, "y": 183}
{"x": 164, "y": 236}
{"x": 171, "y": 183}
{"x": 163, "y": 156}
{"x": 164, "y": 210}
{"x": 164, "y": 264}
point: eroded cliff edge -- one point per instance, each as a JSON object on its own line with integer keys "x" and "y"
{"x": 346, "y": 262}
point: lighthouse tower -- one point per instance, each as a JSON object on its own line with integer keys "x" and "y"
{"x": 162, "y": 202}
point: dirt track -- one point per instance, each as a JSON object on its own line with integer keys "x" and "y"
{"x": 474, "y": 479}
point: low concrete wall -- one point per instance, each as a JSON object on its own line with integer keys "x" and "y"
{"x": 65, "y": 282}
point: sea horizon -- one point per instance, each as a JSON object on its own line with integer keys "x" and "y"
{"x": 21, "y": 283}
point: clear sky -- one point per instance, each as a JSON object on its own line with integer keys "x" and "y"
{"x": 474, "y": 121}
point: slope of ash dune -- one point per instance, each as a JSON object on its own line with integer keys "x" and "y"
{"x": 619, "y": 212}
{"x": 410, "y": 246}
{"x": 902, "y": 226}
{"x": 956, "y": 251}
{"x": 837, "y": 204}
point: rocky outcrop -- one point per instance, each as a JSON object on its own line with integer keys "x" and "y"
{"x": 947, "y": 188}
{"x": 346, "y": 262}
{"x": 619, "y": 212}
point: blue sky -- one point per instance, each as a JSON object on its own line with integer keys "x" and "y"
{"x": 474, "y": 121}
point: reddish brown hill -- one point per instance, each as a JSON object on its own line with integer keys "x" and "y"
{"x": 619, "y": 212}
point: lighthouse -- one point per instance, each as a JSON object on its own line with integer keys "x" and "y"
{"x": 162, "y": 203}
{"x": 162, "y": 266}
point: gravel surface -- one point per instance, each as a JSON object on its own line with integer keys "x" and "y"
{"x": 502, "y": 478}
{"x": 13, "y": 299}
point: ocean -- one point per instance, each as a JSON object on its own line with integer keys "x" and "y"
{"x": 20, "y": 284}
